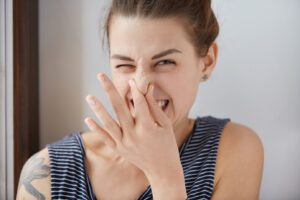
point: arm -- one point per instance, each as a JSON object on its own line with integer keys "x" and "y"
{"x": 241, "y": 159}
{"x": 170, "y": 186}
{"x": 34, "y": 181}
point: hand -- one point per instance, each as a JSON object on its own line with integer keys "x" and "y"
{"x": 147, "y": 140}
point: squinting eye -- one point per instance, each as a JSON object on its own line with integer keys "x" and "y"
{"x": 118, "y": 66}
{"x": 166, "y": 62}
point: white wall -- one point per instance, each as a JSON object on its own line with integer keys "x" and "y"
{"x": 256, "y": 81}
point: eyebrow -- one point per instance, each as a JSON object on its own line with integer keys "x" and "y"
{"x": 161, "y": 54}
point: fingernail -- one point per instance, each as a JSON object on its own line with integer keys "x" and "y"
{"x": 101, "y": 77}
{"x": 151, "y": 89}
{"x": 91, "y": 101}
{"x": 131, "y": 82}
{"x": 90, "y": 123}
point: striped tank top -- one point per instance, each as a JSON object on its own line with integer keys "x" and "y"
{"x": 198, "y": 154}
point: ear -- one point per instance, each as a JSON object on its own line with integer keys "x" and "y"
{"x": 208, "y": 62}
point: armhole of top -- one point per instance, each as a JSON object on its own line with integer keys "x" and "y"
{"x": 87, "y": 179}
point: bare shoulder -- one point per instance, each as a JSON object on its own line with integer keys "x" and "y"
{"x": 34, "y": 182}
{"x": 239, "y": 166}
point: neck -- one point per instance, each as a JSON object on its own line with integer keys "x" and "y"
{"x": 182, "y": 130}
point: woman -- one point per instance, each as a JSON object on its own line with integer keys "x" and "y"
{"x": 160, "y": 51}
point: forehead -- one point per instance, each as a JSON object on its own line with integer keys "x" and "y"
{"x": 132, "y": 34}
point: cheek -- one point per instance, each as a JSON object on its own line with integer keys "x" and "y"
{"x": 183, "y": 91}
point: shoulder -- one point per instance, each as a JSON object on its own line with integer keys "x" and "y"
{"x": 239, "y": 163}
{"x": 93, "y": 142}
{"x": 34, "y": 182}
{"x": 240, "y": 137}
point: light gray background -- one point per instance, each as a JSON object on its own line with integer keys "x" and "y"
{"x": 6, "y": 100}
{"x": 256, "y": 81}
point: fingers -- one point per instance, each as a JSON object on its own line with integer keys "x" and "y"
{"x": 108, "y": 122}
{"x": 119, "y": 105}
{"x": 140, "y": 104}
{"x": 93, "y": 126}
{"x": 159, "y": 116}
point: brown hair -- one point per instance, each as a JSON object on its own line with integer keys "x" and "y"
{"x": 197, "y": 16}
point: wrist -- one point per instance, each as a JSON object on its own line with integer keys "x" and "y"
{"x": 167, "y": 179}
{"x": 168, "y": 186}
{"x": 172, "y": 170}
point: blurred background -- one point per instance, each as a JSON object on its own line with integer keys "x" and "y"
{"x": 256, "y": 80}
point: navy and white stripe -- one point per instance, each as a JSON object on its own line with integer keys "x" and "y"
{"x": 198, "y": 154}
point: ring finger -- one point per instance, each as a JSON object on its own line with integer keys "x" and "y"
{"x": 110, "y": 125}
{"x": 96, "y": 128}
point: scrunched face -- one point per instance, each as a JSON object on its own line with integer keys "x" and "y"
{"x": 155, "y": 51}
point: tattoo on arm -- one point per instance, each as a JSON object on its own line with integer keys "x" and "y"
{"x": 34, "y": 169}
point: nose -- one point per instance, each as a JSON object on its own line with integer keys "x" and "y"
{"x": 143, "y": 78}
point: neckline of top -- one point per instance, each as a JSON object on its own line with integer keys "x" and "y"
{"x": 148, "y": 189}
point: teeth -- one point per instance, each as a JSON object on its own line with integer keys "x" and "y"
{"x": 162, "y": 103}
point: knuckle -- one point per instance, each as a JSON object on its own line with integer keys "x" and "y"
{"x": 128, "y": 145}
{"x": 118, "y": 106}
{"x": 110, "y": 125}
{"x": 99, "y": 130}
{"x": 144, "y": 126}
{"x": 109, "y": 87}
{"x": 97, "y": 108}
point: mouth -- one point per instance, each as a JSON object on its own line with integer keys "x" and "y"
{"x": 163, "y": 104}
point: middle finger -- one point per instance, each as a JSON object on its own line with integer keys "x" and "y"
{"x": 119, "y": 106}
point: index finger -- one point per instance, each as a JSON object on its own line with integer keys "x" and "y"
{"x": 119, "y": 106}
{"x": 140, "y": 104}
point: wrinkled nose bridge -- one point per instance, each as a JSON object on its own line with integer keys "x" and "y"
{"x": 143, "y": 79}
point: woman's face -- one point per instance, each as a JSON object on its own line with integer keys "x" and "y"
{"x": 155, "y": 51}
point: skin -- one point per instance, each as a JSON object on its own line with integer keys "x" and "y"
{"x": 119, "y": 154}
{"x": 34, "y": 182}
{"x": 129, "y": 38}
{"x": 40, "y": 171}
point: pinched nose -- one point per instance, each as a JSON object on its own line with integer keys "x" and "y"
{"x": 143, "y": 88}
{"x": 143, "y": 81}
